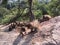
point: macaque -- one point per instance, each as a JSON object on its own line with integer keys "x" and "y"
{"x": 35, "y": 23}
{"x": 28, "y": 25}
{"x": 12, "y": 26}
{"x": 17, "y": 23}
{"x": 45, "y": 18}
{"x": 21, "y": 30}
{"x": 24, "y": 28}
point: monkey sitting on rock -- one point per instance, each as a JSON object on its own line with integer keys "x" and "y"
{"x": 29, "y": 26}
{"x": 22, "y": 27}
{"x": 26, "y": 29}
{"x": 12, "y": 26}
{"x": 45, "y": 18}
{"x": 21, "y": 30}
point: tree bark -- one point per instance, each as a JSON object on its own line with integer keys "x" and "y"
{"x": 31, "y": 15}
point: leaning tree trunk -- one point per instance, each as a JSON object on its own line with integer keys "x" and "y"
{"x": 31, "y": 15}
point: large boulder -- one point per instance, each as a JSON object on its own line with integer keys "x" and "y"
{"x": 48, "y": 34}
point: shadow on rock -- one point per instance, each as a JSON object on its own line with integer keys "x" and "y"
{"x": 49, "y": 43}
{"x": 17, "y": 40}
{"x": 29, "y": 38}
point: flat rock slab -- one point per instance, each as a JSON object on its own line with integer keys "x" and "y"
{"x": 7, "y": 38}
{"x": 14, "y": 38}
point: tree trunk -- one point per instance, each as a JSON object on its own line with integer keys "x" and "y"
{"x": 31, "y": 15}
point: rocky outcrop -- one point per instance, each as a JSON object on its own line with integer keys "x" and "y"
{"x": 48, "y": 34}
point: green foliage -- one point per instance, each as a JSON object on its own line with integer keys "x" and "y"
{"x": 3, "y": 11}
{"x": 37, "y": 13}
{"x": 38, "y": 8}
{"x": 7, "y": 15}
{"x": 54, "y": 8}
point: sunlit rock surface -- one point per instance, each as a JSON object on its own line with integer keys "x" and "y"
{"x": 49, "y": 34}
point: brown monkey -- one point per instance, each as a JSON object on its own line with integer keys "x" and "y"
{"x": 30, "y": 28}
{"x": 21, "y": 30}
{"x": 24, "y": 28}
{"x": 28, "y": 25}
{"x": 35, "y": 23}
{"x": 12, "y": 26}
{"x": 44, "y": 18}
{"x": 17, "y": 23}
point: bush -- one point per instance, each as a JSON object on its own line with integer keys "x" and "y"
{"x": 54, "y": 8}
{"x": 7, "y": 15}
{"x": 37, "y": 13}
{"x": 3, "y": 11}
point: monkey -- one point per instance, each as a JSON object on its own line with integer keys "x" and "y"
{"x": 25, "y": 30}
{"x": 22, "y": 24}
{"x": 12, "y": 26}
{"x": 22, "y": 27}
{"x": 30, "y": 27}
{"x": 44, "y": 18}
{"x": 36, "y": 25}
{"x": 17, "y": 23}
{"x": 21, "y": 30}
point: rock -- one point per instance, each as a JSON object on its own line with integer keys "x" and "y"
{"x": 49, "y": 34}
